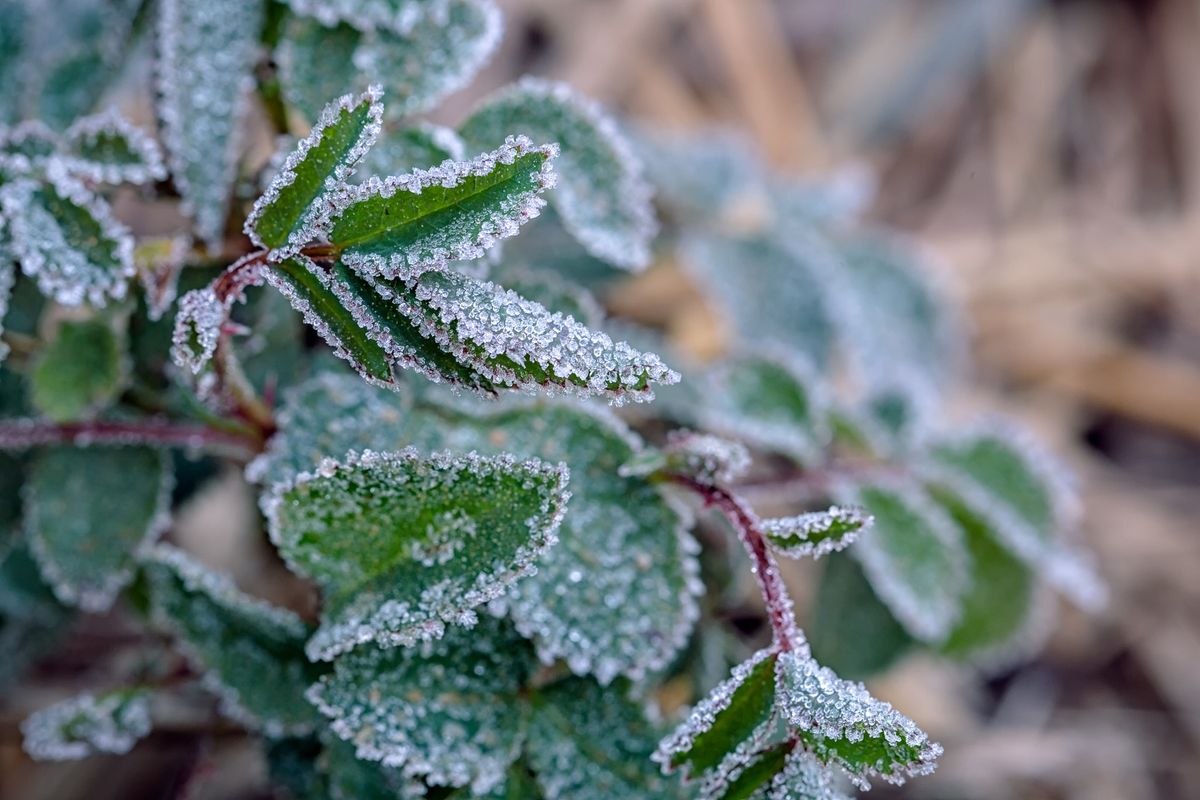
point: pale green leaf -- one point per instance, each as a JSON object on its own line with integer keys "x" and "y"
{"x": 87, "y": 725}
{"x": 251, "y": 652}
{"x": 107, "y": 148}
{"x": 601, "y": 196}
{"x": 316, "y": 62}
{"x": 449, "y": 711}
{"x": 80, "y": 372}
{"x": 285, "y": 216}
{"x": 403, "y": 545}
{"x": 816, "y": 533}
{"x": 850, "y": 630}
{"x": 207, "y": 51}
{"x": 89, "y": 557}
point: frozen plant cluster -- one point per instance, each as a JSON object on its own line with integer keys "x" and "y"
{"x": 86, "y": 724}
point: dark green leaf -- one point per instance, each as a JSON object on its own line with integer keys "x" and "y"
{"x": 851, "y": 631}
{"x": 80, "y": 372}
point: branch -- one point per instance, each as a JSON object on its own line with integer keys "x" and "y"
{"x": 23, "y": 433}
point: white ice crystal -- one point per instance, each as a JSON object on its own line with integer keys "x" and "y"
{"x": 397, "y": 16}
{"x": 197, "y": 328}
{"x": 27, "y": 146}
{"x": 85, "y": 725}
{"x": 802, "y": 778}
{"x": 706, "y": 457}
{"x": 107, "y": 148}
{"x": 816, "y": 533}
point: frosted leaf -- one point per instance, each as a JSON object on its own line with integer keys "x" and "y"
{"x": 1025, "y": 496}
{"x": 627, "y": 608}
{"x": 347, "y": 777}
{"x": 801, "y": 777}
{"x": 286, "y": 216}
{"x": 699, "y": 175}
{"x": 769, "y": 401}
{"x": 437, "y": 56}
{"x": 86, "y": 725}
{"x": 372, "y": 531}
{"x": 207, "y": 50}
{"x": 517, "y": 343}
{"x": 159, "y": 263}
{"x": 913, "y": 556}
{"x": 771, "y": 292}
{"x": 849, "y": 628}
{"x": 708, "y": 458}
{"x": 27, "y": 147}
{"x": 737, "y": 714}
{"x": 551, "y": 291}
{"x": 420, "y": 147}
{"x": 402, "y": 226}
{"x": 316, "y": 63}
{"x": 779, "y": 772}
{"x": 80, "y": 372}
{"x": 816, "y": 533}
{"x": 449, "y": 711}
{"x": 67, "y": 240}
{"x": 197, "y": 328}
{"x": 88, "y": 511}
{"x": 250, "y": 652}
{"x": 602, "y": 197}
{"x": 587, "y": 742}
{"x": 399, "y": 16}
{"x": 842, "y": 724}
{"x": 107, "y": 148}
{"x": 836, "y": 199}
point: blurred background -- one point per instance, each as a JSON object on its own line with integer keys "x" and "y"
{"x": 1047, "y": 154}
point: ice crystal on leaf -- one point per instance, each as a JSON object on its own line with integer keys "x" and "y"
{"x": 284, "y": 217}
{"x": 801, "y": 777}
{"x": 66, "y": 239}
{"x": 197, "y": 328}
{"x": 703, "y": 456}
{"x": 88, "y": 559}
{"x": 404, "y": 225}
{"x": 602, "y": 197}
{"x": 252, "y": 652}
{"x": 106, "y": 148}
{"x": 26, "y": 147}
{"x": 86, "y": 725}
{"x": 207, "y": 50}
{"x": 816, "y": 533}
{"x": 406, "y": 149}
{"x": 449, "y": 710}
{"x": 842, "y": 724}
{"x": 351, "y": 526}
{"x": 398, "y": 16}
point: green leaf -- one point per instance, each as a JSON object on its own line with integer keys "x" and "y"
{"x": 702, "y": 175}
{"x": 449, "y": 711}
{"x": 207, "y": 50}
{"x": 999, "y": 610}
{"x": 630, "y": 605}
{"x": 1005, "y": 478}
{"x": 551, "y": 291}
{"x": 769, "y": 401}
{"x": 913, "y": 556}
{"x": 701, "y": 456}
{"x": 251, "y": 652}
{"x": 89, "y": 557}
{"x": 842, "y": 724}
{"x": 27, "y": 147}
{"x": 779, "y": 772}
{"x": 106, "y": 148}
{"x": 851, "y": 631}
{"x": 406, "y": 149}
{"x": 316, "y": 62}
{"x": 79, "y": 373}
{"x": 14, "y": 41}
{"x": 285, "y": 216}
{"x": 67, "y": 239}
{"x": 771, "y": 292}
{"x": 350, "y": 778}
{"x": 86, "y": 725}
{"x": 24, "y": 594}
{"x": 738, "y": 713}
{"x": 601, "y": 196}
{"x": 403, "y": 545}
{"x": 816, "y": 533}
{"x": 404, "y": 225}
{"x": 400, "y": 16}
{"x": 591, "y": 743}
{"x": 516, "y": 343}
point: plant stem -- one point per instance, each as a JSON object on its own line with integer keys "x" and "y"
{"x": 233, "y": 382}
{"x": 20, "y": 434}
{"x": 775, "y": 594}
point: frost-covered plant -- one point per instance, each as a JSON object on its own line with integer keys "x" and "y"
{"x": 504, "y": 581}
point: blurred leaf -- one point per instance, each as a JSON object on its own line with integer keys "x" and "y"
{"x": 816, "y": 533}
{"x": 407, "y": 149}
{"x": 85, "y": 725}
{"x": 851, "y": 631}
{"x": 106, "y": 148}
{"x": 316, "y": 62}
{"x": 80, "y": 372}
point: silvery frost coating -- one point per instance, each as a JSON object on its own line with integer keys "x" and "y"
{"x": 207, "y": 49}
{"x": 816, "y": 533}
{"x": 449, "y": 710}
{"x": 802, "y": 778}
{"x": 203, "y": 312}
{"x": 107, "y": 148}
{"x": 1029, "y": 499}
{"x": 27, "y": 146}
{"x": 397, "y": 16}
{"x": 306, "y": 228}
{"x": 706, "y": 457}
{"x": 517, "y": 343}
{"x": 835, "y": 717}
{"x": 67, "y": 240}
{"x": 85, "y": 725}
{"x": 602, "y": 197}
{"x": 469, "y": 237}
{"x": 492, "y": 518}
{"x": 913, "y": 556}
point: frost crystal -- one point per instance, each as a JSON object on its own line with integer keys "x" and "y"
{"x": 517, "y": 343}
{"x": 106, "y": 148}
{"x": 67, "y": 239}
{"x": 706, "y": 457}
{"x": 816, "y": 533}
{"x": 397, "y": 16}
{"x": 26, "y": 147}
{"x": 448, "y": 710}
{"x": 207, "y": 50}
{"x": 381, "y": 593}
{"x": 197, "y": 328}
{"x": 401, "y": 226}
{"x": 842, "y": 724}
{"x": 85, "y": 725}
{"x": 602, "y": 197}
{"x": 802, "y": 778}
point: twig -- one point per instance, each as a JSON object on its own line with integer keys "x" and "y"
{"x": 23, "y": 433}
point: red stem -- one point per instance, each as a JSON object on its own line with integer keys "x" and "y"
{"x": 775, "y": 595}
{"x": 16, "y": 434}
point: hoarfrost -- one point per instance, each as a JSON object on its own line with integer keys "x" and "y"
{"x": 107, "y": 148}
{"x": 816, "y": 533}
{"x": 85, "y": 725}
